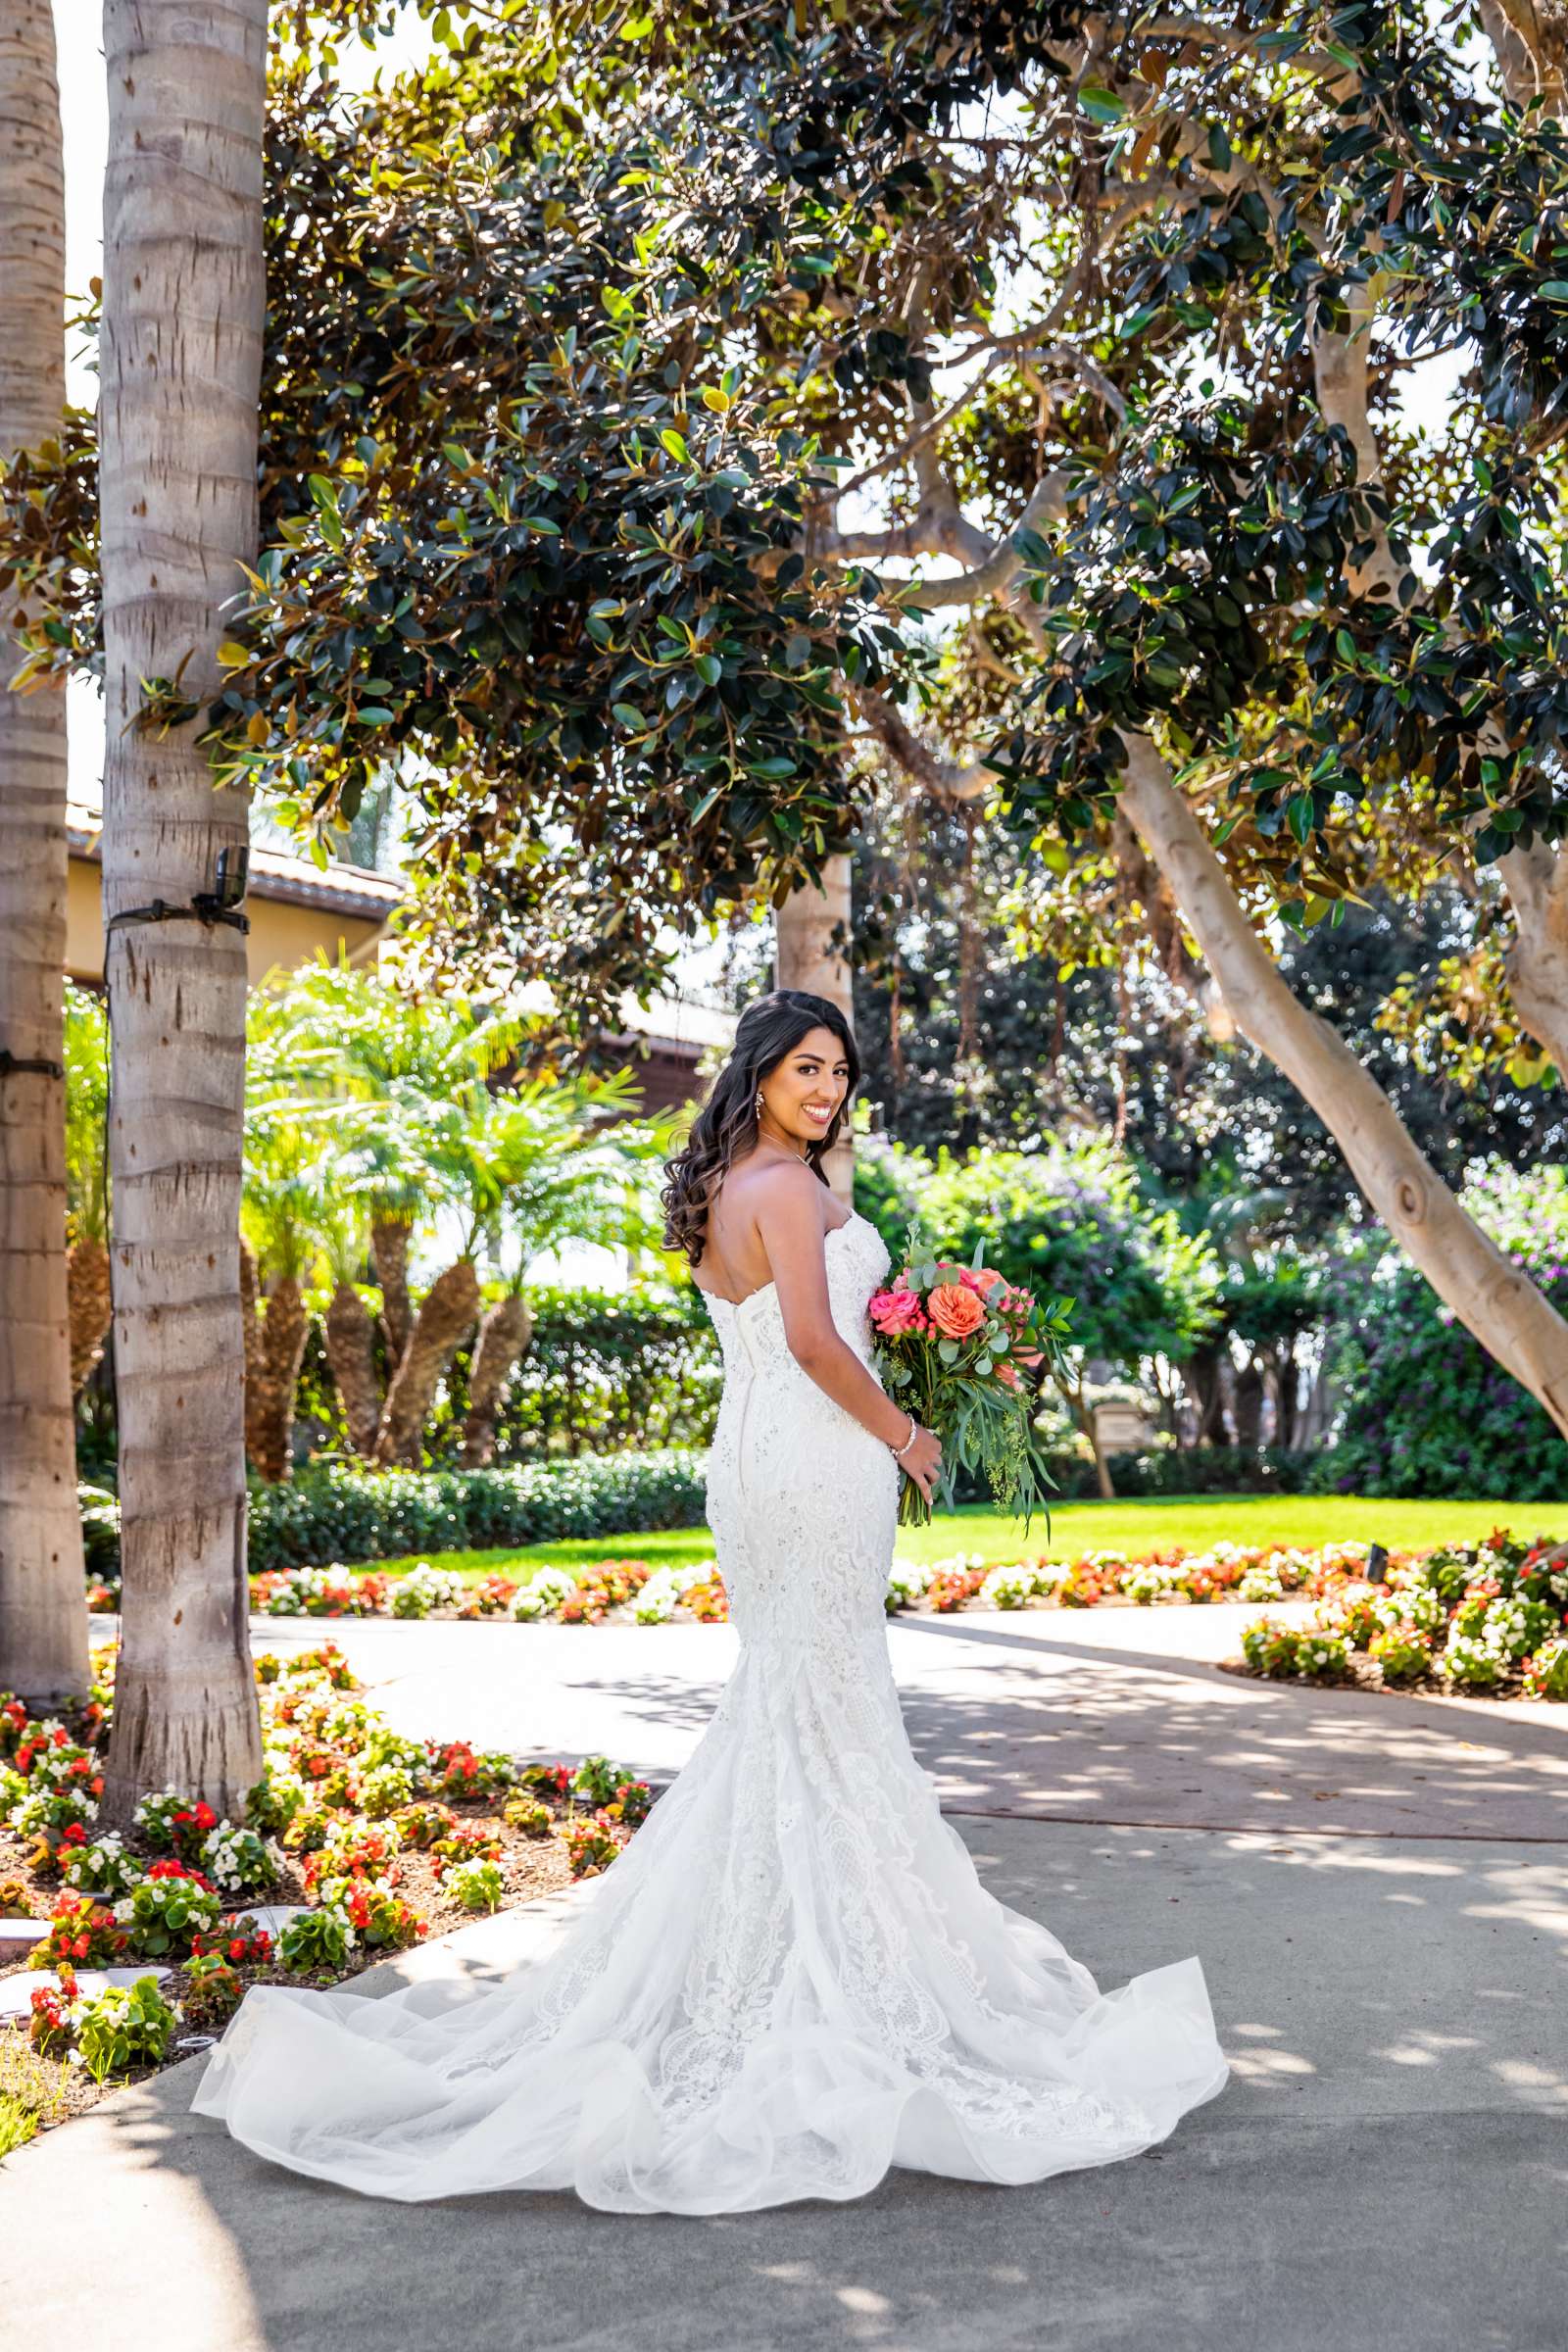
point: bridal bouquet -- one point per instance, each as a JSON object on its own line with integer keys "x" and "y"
{"x": 959, "y": 1347}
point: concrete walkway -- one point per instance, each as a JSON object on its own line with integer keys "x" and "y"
{"x": 1379, "y": 1891}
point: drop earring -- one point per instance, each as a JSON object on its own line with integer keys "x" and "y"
{"x": 758, "y": 1106}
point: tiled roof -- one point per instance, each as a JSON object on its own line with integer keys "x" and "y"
{"x": 275, "y": 873}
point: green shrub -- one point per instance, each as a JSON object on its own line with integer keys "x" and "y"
{"x": 607, "y": 1371}
{"x": 343, "y": 1512}
{"x": 1191, "y": 1470}
{"x": 1427, "y": 1410}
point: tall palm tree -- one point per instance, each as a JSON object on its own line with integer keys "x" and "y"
{"x": 180, "y": 355}
{"x": 287, "y": 1217}
{"x": 412, "y": 1120}
{"x": 43, "y": 1623}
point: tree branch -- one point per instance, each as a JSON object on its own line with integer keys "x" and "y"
{"x": 943, "y": 779}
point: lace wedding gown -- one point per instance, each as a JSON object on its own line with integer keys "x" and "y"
{"x": 793, "y": 1978}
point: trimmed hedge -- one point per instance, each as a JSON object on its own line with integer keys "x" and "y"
{"x": 607, "y": 1370}
{"x": 1197, "y": 1470}
{"x": 338, "y": 1511}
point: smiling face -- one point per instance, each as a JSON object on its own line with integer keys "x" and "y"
{"x": 803, "y": 1091}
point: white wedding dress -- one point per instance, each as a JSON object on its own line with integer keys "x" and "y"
{"x": 793, "y": 1978}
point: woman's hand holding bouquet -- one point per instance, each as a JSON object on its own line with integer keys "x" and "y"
{"x": 962, "y": 1349}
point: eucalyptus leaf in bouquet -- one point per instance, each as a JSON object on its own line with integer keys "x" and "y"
{"x": 964, "y": 1350}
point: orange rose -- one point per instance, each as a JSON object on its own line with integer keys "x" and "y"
{"x": 986, "y": 1280}
{"x": 955, "y": 1310}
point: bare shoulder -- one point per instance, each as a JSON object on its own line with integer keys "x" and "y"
{"x": 778, "y": 1184}
{"x": 780, "y": 1201}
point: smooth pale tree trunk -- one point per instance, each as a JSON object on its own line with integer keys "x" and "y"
{"x": 1530, "y": 41}
{"x": 1491, "y": 1295}
{"x": 1203, "y": 1373}
{"x": 505, "y": 1330}
{"x": 1250, "y": 1407}
{"x": 805, "y": 957}
{"x": 43, "y": 1617}
{"x": 181, "y": 351}
{"x": 1537, "y": 965}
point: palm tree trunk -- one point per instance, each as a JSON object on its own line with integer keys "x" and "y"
{"x": 349, "y": 1337}
{"x": 805, "y": 957}
{"x": 389, "y": 1255}
{"x": 284, "y": 1328}
{"x": 87, "y": 1292}
{"x": 504, "y": 1333}
{"x": 43, "y": 1621}
{"x": 446, "y": 1312}
{"x": 181, "y": 348}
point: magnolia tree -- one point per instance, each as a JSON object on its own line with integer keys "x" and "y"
{"x": 665, "y": 418}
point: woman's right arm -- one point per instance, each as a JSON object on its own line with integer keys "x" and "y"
{"x": 788, "y": 1212}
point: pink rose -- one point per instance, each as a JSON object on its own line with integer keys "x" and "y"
{"x": 897, "y": 1310}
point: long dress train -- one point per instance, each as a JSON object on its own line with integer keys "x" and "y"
{"x": 793, "y": 1977}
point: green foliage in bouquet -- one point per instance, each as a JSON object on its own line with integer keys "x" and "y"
{"x": 964, "y": 1350}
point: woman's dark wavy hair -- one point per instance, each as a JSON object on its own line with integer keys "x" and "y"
{"x": 724, "y": 1129}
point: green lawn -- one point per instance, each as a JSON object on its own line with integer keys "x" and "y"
{"x": 1308, "y": 1520}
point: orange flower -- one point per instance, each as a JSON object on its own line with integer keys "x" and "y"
{"x": 986, "y": 1279}
{"x": 955, "y": 1310}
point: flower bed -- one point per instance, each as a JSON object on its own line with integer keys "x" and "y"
{"x": 631, "y": 1591}
{"x": 1490, "y": 1620}
{"x": 1485, "y": 1617}
{"x": 383, "y": 1838}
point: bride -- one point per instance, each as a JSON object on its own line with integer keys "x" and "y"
{"x": 792, "y": 1978}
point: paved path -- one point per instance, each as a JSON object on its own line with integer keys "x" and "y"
{"x": 1379, "y": 1890}
{"x": 1099, "y": 1715}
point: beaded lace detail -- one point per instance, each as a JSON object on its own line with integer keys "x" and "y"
{"x": 793, "y": 1977}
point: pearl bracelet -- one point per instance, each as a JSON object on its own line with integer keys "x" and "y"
{"x": 898, "y": 1452}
